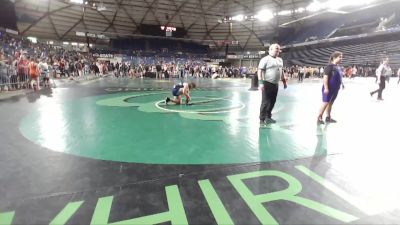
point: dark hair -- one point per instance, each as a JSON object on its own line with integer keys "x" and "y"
{"x": 335, "y": 55}
{"x": 192, "y": 85}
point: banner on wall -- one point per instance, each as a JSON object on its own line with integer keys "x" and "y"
{"x": 232, "y": 57}
{"x": 217, "y": 60}
{"x": 251, "y": 56}
{"x": 103, "y": 55}
{"x": 11, "y": 31}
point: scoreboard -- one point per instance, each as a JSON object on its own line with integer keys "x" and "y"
{"x": 162, "y": 31}
{"x": 168, "y": 30}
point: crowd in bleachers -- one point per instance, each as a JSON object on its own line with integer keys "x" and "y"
{"x": 166, "y": 68}
{"x": 24, "y": 64}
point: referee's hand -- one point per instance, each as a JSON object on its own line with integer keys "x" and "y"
{"x": 261, "y": 87}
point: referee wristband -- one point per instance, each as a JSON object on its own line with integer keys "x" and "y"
{"x": 260, "y": 81}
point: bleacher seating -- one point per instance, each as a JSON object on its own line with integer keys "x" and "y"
{"x": 357, "y": 26}
{"x": 159, "y": 46}
{"x": 385, "y": 16}
{"x": 131, "y": 44}
{"x": 354, "y": 54}
{"x": 319, "y": 30}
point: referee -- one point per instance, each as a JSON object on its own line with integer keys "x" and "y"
{"x": 269, "y": 73}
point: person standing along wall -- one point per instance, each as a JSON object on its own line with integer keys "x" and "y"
{"x": 34, "y": 74}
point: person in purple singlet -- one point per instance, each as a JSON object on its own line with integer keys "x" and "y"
{"x": 333, "y": 74}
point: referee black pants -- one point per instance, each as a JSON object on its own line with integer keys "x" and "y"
{"x": 269, "y": 94}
